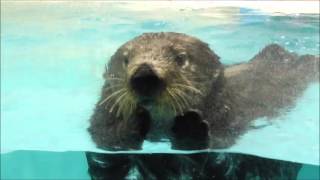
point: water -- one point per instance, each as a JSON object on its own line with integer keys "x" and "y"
{"x": 53, "y": 55}
{"x": 72, "y": 165}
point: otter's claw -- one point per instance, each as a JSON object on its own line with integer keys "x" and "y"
{"x": 190, "y": 131}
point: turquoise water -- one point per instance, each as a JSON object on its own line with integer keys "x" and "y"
{"x": 53, "y": 55}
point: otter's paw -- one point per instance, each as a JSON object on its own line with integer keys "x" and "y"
{"x": 190, "y": 131}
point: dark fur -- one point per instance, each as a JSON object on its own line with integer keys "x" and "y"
{"x": 271, "y": 81}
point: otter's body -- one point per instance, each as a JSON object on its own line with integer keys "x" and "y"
{"x": 155, "y": 81}
{"x": 170, "y": 85}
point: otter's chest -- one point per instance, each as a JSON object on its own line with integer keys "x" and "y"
{"x": 161, "y": 123}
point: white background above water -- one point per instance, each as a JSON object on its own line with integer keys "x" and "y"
{"x": 53, "y": 56}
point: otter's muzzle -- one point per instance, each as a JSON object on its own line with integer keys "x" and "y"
{"x": 145, "y": 82}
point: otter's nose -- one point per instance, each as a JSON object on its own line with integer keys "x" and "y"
{"x": 145, "y": 82}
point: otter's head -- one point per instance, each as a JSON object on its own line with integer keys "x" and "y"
{"x": 160, "y": 70}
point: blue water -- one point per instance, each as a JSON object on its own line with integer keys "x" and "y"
{"x": 52, "y": 58}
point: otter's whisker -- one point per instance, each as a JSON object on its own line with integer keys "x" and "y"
{"x": 172, "y": 91}
{"x": 124, "y": 106}
{"x": 183, "y": 97}
{"x": 191, "y": 88}
{"x": 180, "y": 100}
{"x": 127, "y": 105}
{"x": 175, "y": 99}
{"x": 115, "y": 79}
{"x": 131, "y": 106}
{"x": 117, "y": 101}
{"x": 121, "y": 106}
{"x": 112, "y": 95}
{"x": 112, "y": 87}
{"x": 171, "y": 102}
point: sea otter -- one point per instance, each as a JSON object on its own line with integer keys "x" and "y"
{"x": 173, "y": 86}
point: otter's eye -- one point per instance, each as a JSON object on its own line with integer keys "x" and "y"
{"x": 126, "y": 61}
{"x": 181, "y": 59}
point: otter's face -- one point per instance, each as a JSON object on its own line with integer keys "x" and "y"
{"x": 161, "y": 70}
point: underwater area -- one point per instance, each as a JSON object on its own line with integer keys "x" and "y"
{"x": 53, "y": 55}
{"x": 73, "y": 165}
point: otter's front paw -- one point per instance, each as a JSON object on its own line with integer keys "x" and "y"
{"x": 190, "y": 131}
